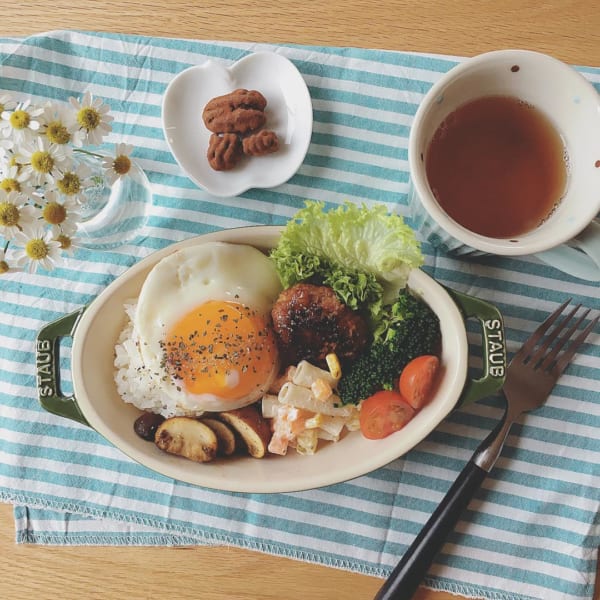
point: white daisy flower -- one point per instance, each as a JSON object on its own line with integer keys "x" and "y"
{"x": 15, "y": 214}
{"x": 38, "y": 249}
{"x": 57, "y": 123}
{"x": 74, "y": 181}
{"x": 22, "y": 123}
{"x": 44, "y": 162}
{"x": 60, "y": 214}
{"x": 12, "y": 179}
{"x": 93, "y": 120}
{"x": 68, "y": 243}
{"x": 117, "y": 166}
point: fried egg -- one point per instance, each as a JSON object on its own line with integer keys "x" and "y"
{"x": 203, "y": 325}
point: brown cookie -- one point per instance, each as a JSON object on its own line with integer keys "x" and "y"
{"x": 241, "y": 111}
{"x": 261, "y": 143}
{"x": 224, "y": 151}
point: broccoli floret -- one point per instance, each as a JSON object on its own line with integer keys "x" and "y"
{"x": 413, "y": 329}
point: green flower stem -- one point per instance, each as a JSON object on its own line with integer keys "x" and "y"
{"x": 95, "y": 154}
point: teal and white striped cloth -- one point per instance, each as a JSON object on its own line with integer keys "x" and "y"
{"x": 533, "y": 529}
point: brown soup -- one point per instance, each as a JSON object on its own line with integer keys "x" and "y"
{"x": 497, "y": 166}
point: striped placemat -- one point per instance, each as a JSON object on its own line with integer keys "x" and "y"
{"x": 532, "y": 530}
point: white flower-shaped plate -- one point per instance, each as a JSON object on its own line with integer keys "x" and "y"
{"x": 289, "y": 114}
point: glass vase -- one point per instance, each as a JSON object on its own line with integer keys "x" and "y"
{"x": 113, "y": 214}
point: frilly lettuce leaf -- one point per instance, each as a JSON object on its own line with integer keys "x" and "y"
{"x": 365, "y": 254}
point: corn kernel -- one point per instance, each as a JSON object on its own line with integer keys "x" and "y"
{"x": 333, "y": 364}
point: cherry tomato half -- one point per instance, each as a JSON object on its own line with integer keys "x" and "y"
{"x": 383, "y": 413}
{"x": 417, "y": 379}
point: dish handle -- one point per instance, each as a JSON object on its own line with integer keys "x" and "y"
{"x": 47, "y": 360}
{"x": 493, "y": 347}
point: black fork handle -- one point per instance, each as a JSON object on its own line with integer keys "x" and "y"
{"x": 410, "y": 571}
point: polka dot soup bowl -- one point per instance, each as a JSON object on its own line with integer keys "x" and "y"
{"x": 568, "y": 238}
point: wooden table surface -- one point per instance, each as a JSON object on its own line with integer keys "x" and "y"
{"x": 567, "y": 29}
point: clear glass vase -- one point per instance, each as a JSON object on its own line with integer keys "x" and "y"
{"x": 113, "y": 215}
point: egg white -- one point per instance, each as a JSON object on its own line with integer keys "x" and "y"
{"x": 187, "y": 279}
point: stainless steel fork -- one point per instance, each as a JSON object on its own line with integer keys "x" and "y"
{"x": 530, "y": 377}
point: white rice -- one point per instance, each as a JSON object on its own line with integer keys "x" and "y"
{"x": 136, "y": 383}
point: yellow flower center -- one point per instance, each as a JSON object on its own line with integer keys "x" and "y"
{"x": 122, "y": 164}
{"x": 10, "y": 185}
{"x": 57, "y": 133}
{"x": 64, "y": 241}
{"x": 20, "y": 119}
{"x": 42, "y": 161}
{"x": 89, "y": 118}
{"x": 70, "y": 184}
{"x": 3, "y": 267}
{"x": 36, "y": 249}
{"x": 9, "y": 214}
{"x": 13, "y": 162}
{"x": 54, "y": 213}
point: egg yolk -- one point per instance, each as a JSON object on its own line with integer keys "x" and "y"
{"x": 221, "y": 348}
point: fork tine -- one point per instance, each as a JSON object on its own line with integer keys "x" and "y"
{"x": 535, "y": 337}
{"x": 548, "y": 359}
{"x": 538, "y": 353}
{"x": 567, "y": 355}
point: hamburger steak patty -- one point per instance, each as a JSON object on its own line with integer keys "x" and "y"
{"x": 311, "y": 322}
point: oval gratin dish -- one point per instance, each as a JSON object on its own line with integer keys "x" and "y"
{"x": 96, "y": 403}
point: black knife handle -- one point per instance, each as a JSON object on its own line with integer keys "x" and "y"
{"x": 410, "y": 571}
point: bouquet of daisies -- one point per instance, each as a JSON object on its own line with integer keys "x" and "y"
{"x": 44, "y": 176}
